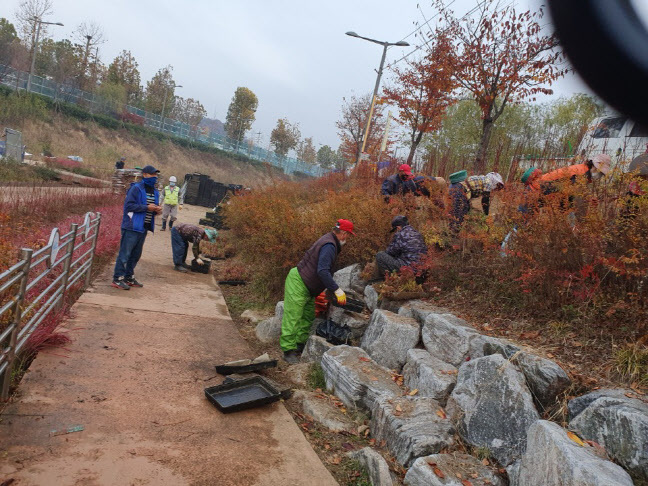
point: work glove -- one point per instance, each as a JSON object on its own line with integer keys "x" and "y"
{"x": 180, "y": 207}
{"x": 199, "y": 261}
{"x": 340, "y": 296}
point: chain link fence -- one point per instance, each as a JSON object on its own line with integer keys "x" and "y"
{"x": 96, "y": 104}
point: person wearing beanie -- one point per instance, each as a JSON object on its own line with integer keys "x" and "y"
{"x": 305, "y": 282}
{"x": 181, "y": 235}
{"x": 405, "y": 249}
{"x": 398, "y": 184}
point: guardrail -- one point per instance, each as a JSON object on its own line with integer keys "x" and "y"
{"x": 36, "y": 286}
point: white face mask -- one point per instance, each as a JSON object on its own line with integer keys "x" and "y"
{"x": 343, "y": 242}
{"x": 172, "y": 184}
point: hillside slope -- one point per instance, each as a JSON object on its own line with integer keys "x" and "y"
{"x": 101, "y": 147}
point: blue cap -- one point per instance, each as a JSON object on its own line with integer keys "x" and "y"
{"x": 149, "y": 169}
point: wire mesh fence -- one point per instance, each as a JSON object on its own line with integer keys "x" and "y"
{"x": 97, "y": 104}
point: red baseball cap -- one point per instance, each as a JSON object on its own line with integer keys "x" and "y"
{"x": 345, "y": 225}
{"x": 405, "y": 168}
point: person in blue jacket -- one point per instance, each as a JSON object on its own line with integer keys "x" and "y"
{"x": 140, "y": 208}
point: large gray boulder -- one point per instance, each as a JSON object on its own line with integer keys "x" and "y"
{"x": 375, "y": 464}
{"x": 349, "y": 280}
{"x": 355, "y": 378}
{"x": 371, "y": 298}
{"x": 357, "y": 322}
{"x": 315, "y": 348}
{"x": 429, "y": 375}
{"x": 420, "y": 309}
{"x": 319, "y": 408}
{"x": 621, "y": 426}
{"x": 552, "y": 457}
{"x": 452, "y": 340}
{"x": 269, "y": 330}
{"x": 493, "y": 407}
{"x": 578, "y": 404}
{"x": 546, "y": 380}
{"x": 455, "y": 469}
{"x": 389, "y": 337}
{"x": 411, "y": 427}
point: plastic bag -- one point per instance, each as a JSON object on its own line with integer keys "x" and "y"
{"x": 333, "y": 332}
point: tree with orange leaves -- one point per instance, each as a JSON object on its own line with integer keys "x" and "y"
{"x": 504, "y": 57}
{"x": 424, "y": 90}
{"x": 352, "y": 125}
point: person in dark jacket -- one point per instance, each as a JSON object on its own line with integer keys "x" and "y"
{"x": 406, "y": 247}
{"x": 398, "y": 184}
{"x": 181, "y": 235}
{"x": 140, "y": 208}
{"x": 304, "y": 283}
{"x": 120, "y": 163}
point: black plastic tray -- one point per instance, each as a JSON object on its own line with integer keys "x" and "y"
{"x": 242, "y": 394}
{"x": 352, "y": 305}
{"x": 228, "y": 369}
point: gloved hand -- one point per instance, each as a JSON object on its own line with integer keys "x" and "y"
{"x": 180, "y": 207}
{"x": 340, "y": 296}
{"x": 199, "y": 261}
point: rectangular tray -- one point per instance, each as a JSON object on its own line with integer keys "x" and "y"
{"x": 242, "y": 394}
{"x": 352, "y": 305}
{"x": 228, "y": 369}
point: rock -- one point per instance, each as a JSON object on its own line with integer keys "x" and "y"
{"x": 348, "y": 278}
{"x": 451, "y": 339}
{"x": 419, "y": 310}
{"x": 493, "y": 407}
{"x": 551, "y": 457}
{"x": 315, "y": 347}
{"x": 375, "y": 464}
{"x": 411, "y": 427}
{"x": 253, "y": 316}
{"x": 269, "y": 330}
{"x": 299, "y": 373}
{"x": 390, "y": 305}
{"x": 545, "y": 379}
{"x": 389, "y": 337}
{"x": 620, "y": 425}
{"x": 468, "y": 468}
{"x": 319, "y": 407}
{"x": 500, "y": 346}
{"x": 355, "y": 321}
{"x": 578, "y": 404}
{"x": 430, "y": 376}
{"x": 355, "y": 378}
{"x": 371, "y": 298}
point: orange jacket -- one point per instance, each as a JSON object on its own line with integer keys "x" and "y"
{"x": 565, "y": 173}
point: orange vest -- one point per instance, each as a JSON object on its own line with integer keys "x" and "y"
{"x": 565, "y": 173}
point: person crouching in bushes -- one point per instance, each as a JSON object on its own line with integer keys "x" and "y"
{"x": 304, "y": 283}
{"x": 405, "y": 249}
{"x": 398, "y": 184}
{"x": 181, "y": 235}
{"x": 464, "y": 188}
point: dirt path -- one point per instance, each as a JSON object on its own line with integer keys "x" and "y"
{"x": 133, "y": 377}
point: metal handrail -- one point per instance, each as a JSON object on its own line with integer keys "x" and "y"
{"x": 29, "y": 311}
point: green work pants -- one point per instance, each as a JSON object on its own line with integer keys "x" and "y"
{"x": 299, "y": 312}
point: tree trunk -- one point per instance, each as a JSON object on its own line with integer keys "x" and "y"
{"x": 414, "y": 146}
{"x": 487, "y": 131}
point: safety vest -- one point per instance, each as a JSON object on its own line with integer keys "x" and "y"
{"x": 171, "y": 195}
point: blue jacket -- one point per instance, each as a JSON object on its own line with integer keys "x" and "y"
{"x": 135, "y": 207}
{"x": 394, "y": 185}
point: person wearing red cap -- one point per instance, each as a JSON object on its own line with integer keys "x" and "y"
{"x": 398, "y": 184}
{"x": 305, "y": 282}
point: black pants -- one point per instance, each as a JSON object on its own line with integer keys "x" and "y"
{"x": 387, "y": 263}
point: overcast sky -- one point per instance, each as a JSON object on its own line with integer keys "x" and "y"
{"x": 292, "y": 54}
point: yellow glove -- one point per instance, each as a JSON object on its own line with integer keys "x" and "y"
{"x": 180, "y": 207}
{"x": 340, "y": 296}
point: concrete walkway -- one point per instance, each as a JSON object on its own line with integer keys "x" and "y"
{"x": 133, "y": 377}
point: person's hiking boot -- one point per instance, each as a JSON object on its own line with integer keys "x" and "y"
{"x": 188, "y": 267}
{"x": 132, "y": 282}
{"x": 170, "y": 224}
{"x": 180, "y": 268}
{"x": 292, "y": 356}
{"x": 119, "y": 283}
{"x": 300, "y": 347}
{"x": 164, "y": 226}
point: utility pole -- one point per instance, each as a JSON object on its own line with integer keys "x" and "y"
{"x": 39, "y": 22}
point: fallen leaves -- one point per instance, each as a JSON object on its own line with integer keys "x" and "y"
{"x": 465, "y": 482}
{"x": 348, "y": 446}
{"x": 441, "y": 413}
{"x": 413, "y": 392}
{"x": 397, "y": 378}
{"x": 436, "y": 470}
{"x": 362, "y": 358}
{"x": 530, "y": 335}
{"x": 575, "y": 438}
{"x": 335, "y": 460}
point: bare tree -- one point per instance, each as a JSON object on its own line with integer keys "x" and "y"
{"x": 90, "y": 35}
{"x": 27, "y": 15}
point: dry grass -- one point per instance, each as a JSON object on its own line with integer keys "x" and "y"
{"x": 101, "y": 147}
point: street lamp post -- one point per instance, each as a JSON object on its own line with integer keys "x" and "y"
{"x": 166, "y": 93}
{"x": 39, "y": 22}
{"x": 385, "y": 45}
